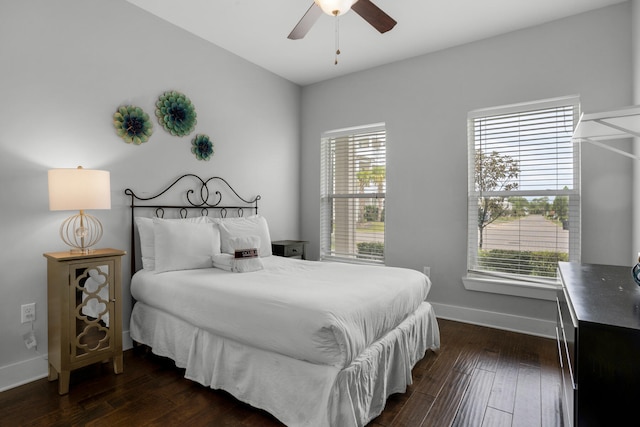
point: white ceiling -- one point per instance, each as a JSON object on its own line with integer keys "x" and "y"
{"x": 257, "y": 29}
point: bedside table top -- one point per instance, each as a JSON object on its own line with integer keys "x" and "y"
{"x": 96, "y": 253}
{"x": 288, "y": 242}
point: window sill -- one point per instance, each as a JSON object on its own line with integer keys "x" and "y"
{"x": 351, "y": 260}
{"x": 511, "y": 287}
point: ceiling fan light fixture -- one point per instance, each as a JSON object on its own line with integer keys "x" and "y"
{"x": 335, "y": 7}
{"x": 365, "y": 8}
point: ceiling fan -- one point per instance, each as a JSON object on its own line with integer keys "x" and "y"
{"x": 367, "y": 10}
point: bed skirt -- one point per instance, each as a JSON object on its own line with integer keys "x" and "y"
{"x": 296, "y": 392}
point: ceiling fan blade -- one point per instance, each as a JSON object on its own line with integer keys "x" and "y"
{"x": 373, "y": 15}
{"x": 307, "y": 21}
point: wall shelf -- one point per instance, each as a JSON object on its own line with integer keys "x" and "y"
{"x": 596, "y": 128}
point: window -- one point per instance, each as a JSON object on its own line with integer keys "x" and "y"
{"x": 353, "y": 186}
{"x": 524, "y": 190}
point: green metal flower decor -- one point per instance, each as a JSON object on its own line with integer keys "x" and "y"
{"x": 176, "y": 113}
{"x": 132, "y": 124}
{"x": 202, "y": 147}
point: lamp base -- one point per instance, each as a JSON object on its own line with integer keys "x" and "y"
{"x": 81, "y": 231}
{"x": 85, "y": 251}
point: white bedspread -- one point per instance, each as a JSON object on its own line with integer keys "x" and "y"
{"x": 325, "y": 313}
{"x": 298, "y": 393}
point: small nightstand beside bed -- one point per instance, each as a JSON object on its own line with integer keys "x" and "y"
{"x": 313, "y": 343}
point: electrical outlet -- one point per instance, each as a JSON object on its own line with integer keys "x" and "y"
{"x": 28, "y": 313}
{"x": 427, "y": 271}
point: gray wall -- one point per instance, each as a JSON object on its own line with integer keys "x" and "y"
{"x": 66, "y": 66}
{"x": 424, "y": 102}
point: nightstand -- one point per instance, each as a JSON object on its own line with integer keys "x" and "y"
{"x": 289, "y": 248}
{"x": 84, "y": 311}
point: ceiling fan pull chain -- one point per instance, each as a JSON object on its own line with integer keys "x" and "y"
{"x": 336, "y": 12}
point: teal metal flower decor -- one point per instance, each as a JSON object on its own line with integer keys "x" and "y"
{"x": 176, "y": 113}
{"x": 202, "y": 147}
{"x": 132, "y": 124}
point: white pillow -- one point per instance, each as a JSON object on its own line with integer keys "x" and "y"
{"x": 220, "y": 220}
{"x": 243, "y": 227}
{"x": 244, "y": 259}
{"x": 147, "y": 241}
{"x": 181, "y": 245}
{"x": 223, "y": 261}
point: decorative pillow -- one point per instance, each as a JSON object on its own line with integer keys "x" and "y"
{"x": 244, "y": 258}
{"x": 243, "y": 227}
{"x": 147, "y": 240}
{"x": 181, "y": 245}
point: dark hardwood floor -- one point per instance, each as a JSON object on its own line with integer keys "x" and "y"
{"x": 480, "y": 377}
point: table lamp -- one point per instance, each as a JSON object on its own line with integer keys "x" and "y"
{"x": 79, "y": 189}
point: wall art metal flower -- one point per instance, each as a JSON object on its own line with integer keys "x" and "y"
{"x": 132, "y": 124}
{"x": 202, "y": 147}
{"x": 176, "y": 113}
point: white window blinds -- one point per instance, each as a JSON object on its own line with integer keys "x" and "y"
{"x": 524, "y": 189}
{"x": 353, "y": 188}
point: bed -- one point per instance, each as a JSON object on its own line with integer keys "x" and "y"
{"x": 313, "y": 343}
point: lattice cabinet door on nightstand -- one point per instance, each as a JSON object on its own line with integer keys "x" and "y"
{"x": 84, "y": 311}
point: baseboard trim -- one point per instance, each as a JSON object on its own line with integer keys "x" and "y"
{"x": 509, "y": 322}
{"x": 23, "y": 372}
{"x": 26, "y": 371}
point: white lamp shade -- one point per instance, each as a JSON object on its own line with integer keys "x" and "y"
{"x": 329, "y": 6}
{"x": 79, "y": 189}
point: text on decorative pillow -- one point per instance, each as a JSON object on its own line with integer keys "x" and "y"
{"x": 246, "y": 253}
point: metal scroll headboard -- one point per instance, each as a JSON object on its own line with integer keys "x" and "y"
{"x": 200, "y": 195}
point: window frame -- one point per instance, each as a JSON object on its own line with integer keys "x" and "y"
{"x": 520, "y": 285}
{"x": 328, "y": 197}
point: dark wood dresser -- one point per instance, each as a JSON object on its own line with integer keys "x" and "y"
{"x": 599, "y": 344}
